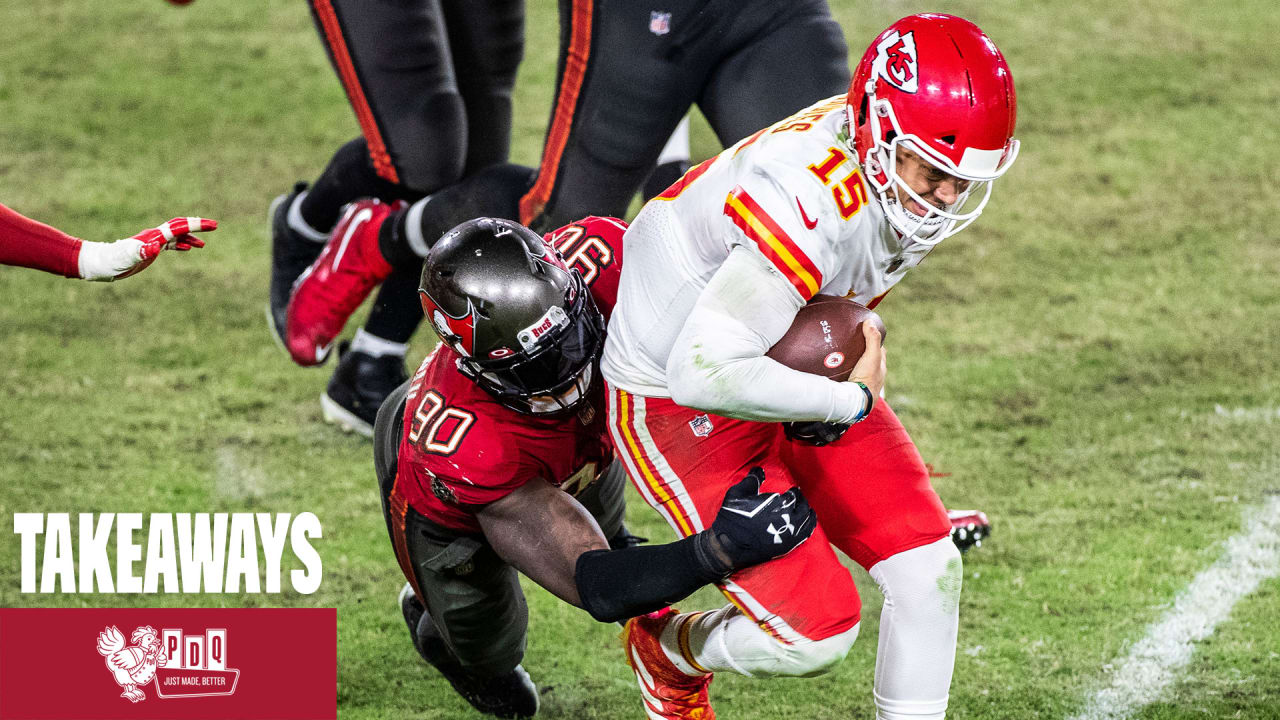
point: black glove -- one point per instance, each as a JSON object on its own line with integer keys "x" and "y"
{"x": 814, "y": 433}
{"x": 754, "y": 527}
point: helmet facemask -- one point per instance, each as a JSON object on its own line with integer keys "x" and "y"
{"x": 880, "y": 166}
{"x": 551, "y": 374}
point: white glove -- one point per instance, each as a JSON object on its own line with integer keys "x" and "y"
{"x": 107, "y": 261}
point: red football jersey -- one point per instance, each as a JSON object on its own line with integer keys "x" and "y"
{"x": 461, "y": 449}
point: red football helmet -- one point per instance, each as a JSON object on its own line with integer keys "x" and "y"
{"x": 937, "y": 86}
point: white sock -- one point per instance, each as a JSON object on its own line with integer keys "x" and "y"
{"x": 677, "y": 147}
{"x": 726, "y": 640}
{"x": 299, "y": 225}
{"x": 918, "y": 624}
{"x": 413, "y": 228}
{"x": 376, "y": 346}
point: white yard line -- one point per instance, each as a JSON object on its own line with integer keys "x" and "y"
{"x": 1154, "y": 662}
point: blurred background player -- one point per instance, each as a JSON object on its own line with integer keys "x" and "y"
{"x": 466, "y": 508}
{"x": 627, "y": 76}
{"x": 430, "y": 83}
{"x": 842, "y": 198}
{"x": 27, "y": 243}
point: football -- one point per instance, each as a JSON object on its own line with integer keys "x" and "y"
{"x": 826, "y": 337}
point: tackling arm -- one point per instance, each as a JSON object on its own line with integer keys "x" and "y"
{"x": 717, "y": 363}
{"x": 547, "y": 535}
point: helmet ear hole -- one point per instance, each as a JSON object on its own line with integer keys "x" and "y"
{"x": 948, "y": 139}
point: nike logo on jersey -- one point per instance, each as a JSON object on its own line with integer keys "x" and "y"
{"x": 810, "y": 224}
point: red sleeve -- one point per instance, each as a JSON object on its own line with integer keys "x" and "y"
{"x": 27, "y": 243}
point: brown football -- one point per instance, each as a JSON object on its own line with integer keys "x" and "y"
{"x": 826, "y": 337}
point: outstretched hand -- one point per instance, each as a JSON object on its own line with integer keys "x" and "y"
{"x": 122, "y": 258}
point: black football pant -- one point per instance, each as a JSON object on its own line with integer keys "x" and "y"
{"x": 472, "y": 595}
{"x": 629, "y": 72}
{"x": 430, "y": 83}
{"x": 626, "y": 77}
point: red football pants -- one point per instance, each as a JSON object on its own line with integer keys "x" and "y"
{"x": 870, "y": 490}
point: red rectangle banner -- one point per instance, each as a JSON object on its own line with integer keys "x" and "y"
{"x": 147, "y": 664}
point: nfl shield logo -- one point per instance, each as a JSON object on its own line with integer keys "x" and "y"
{"x": 659, "y": 22}
{"x": 701, "y": 426}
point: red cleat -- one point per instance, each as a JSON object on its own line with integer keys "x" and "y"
{"x": 329, "y": 291}
{"x": 668, "y": 693}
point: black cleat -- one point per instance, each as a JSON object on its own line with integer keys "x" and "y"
{"x": 291, "y": 253}
{"x": 968, "y": 528}
{"x": 512, "y": 695}
{"x": 358, "y": 386}
{"x": 624, "y": 539}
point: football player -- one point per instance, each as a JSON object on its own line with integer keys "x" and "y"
{"x": 480, "y": 457}
{"x": 27, "y": 243}
{"x": 614, "y": 56}
{"x": 842, "y": 198}
{"x": 430, "y": 82}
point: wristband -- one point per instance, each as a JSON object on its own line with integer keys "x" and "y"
{"x": 871, "y": 402}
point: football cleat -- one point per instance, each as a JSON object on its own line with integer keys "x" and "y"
{"x": 330, "y": 290}
{"x": 291, "y": 253}
{"x": 358, "y": 387}
{"x": 624, "y": 539}
{"x": 512, "y": 695}
{"x": 667, "y": 692}
{"x": 968, "y": 528}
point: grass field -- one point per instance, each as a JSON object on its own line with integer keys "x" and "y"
{"x": 1096, "y": 363}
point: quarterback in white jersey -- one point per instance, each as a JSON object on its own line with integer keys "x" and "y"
{"x": 790, "y": 206}
{"x": 842, "y": 198}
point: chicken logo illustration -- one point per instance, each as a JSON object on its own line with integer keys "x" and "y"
{"x": 182, "y": 664}
{"x": 132, "y": 665}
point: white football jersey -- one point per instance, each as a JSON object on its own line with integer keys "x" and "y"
{"x": 793, "y": 193}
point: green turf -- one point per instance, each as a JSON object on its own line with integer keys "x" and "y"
{"x": 1095, "y": 363}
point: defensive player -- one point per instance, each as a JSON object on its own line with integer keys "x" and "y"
{"x": 480, "y": 455}
{"x": 27, "y": 243}
{"x": 842, "y": 198}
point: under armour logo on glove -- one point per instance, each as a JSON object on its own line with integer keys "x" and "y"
{"x": 787, "y": 527}
{"x": 753, "y": 527}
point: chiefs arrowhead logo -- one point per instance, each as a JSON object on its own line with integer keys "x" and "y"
{"x": 896, "y": 61}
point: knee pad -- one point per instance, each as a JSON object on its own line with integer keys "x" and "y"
{"x": 928, "y": 577}
{"x": 428, "y": 142}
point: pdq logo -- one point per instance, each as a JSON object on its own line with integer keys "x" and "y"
{"x": 181, "y": 664}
